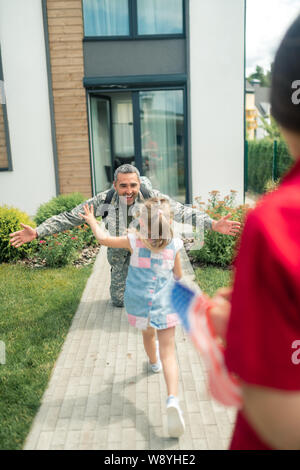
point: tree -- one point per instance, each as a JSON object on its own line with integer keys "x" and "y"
{"x": 272, "y": 128}
{"x": 259, "y": 74}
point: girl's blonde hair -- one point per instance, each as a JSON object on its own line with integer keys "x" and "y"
{"x": 155, "y": 224}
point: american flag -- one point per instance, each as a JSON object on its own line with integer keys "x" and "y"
{"x": 192, "y": 308}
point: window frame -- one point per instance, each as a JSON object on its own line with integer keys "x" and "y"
{"x": 133, "y": 27}
{"x": 6, "y": 129}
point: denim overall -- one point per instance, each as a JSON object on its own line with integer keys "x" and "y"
{"x": 148, "y": 286}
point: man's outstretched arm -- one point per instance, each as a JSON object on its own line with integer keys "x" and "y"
{"x": 200, "y": 220}
{"x": 57, "y": 223}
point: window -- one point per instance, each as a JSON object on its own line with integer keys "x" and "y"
{"x": 106, "y": 17}
{"x": 5, "y": 160}
{"x": 159, "y": 16}
{"x": 110, "y": 19}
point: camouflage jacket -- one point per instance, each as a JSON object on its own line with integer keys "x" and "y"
{"x": 115, "y": 218}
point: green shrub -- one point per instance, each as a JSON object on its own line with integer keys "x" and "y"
{"x": 271, "y": 185}
{"x": 58, "y": 250}
{"x": 260, "y": 162}
{"x": 219, "y": 249}
{"x": 62, "y": 203}
{"x": 10, "y": 220}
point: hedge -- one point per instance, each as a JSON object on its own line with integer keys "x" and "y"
{"x": 260, "y": 162}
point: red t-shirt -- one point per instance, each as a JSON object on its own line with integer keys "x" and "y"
{"x": 265, "y": 314}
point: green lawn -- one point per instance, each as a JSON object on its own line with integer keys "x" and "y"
{"x": 210, "y": 278}
{"x": 36, "y": 310}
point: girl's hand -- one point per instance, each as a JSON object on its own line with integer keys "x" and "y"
{"x": 88, "y": 214}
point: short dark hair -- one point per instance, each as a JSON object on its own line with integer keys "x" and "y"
{"x": 286, "y": 70}
{"x": 126, "y": 168}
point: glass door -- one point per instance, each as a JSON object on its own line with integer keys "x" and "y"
{"x": 101, "y": 142}
{"x": 123, "y": 129}
{"x": 162, "y": 141}
{"x": 144, "y": 128}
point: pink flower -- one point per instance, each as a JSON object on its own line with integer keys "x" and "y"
{"x": 43, "y": 241}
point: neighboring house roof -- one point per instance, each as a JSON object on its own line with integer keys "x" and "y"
{"x": 249, "y": 87}
{"x": 262, "y": 100}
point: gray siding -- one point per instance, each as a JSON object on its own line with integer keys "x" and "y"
{"x": 140, "y": 57}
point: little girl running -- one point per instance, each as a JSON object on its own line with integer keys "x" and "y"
{"x": 154, "y": 262}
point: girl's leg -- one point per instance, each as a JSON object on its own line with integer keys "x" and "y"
{"x": 167, "y": 354}
{"x": 166, "y": 340}
{"x": 149, "y": 344}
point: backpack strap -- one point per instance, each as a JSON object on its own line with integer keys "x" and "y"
{"x": 110, "y": 194}
{"x": 107, "y": 201}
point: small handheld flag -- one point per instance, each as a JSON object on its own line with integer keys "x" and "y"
{"x": 193, "y": 310}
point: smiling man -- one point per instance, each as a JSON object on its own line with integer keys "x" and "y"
{"x": 115, "y": 206}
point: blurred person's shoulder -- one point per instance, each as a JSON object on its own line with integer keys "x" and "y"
{"x": 275, "y": 221}
{"x": 281, "y": 205}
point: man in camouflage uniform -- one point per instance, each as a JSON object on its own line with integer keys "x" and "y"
{"x": 118, "y": 216}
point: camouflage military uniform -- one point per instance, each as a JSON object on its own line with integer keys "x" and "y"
{"x": 118, "y": 219}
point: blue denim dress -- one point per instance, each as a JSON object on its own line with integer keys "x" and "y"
{"x": 149, "y": 283}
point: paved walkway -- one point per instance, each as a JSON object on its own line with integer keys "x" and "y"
{"x": 101, "y": 394}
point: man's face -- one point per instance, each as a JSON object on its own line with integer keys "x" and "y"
{"x": 128, "y": 185}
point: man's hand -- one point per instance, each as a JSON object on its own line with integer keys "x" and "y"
{"x": 225, "y": 226}
{"x": 23, "y": 236}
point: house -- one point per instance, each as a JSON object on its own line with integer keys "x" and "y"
{"x": 258, "y": 109}
{"x": 92, "y": 84}
{"x": 263, "y": 106}
{"x": 251, "y": 112}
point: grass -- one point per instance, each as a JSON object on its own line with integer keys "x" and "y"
{"x": 36, "y": 310}
{"x": 210, "y": 278}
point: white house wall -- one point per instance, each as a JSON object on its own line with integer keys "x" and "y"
{"x": 32, "y": 180}
{"x": 217, "y": 96}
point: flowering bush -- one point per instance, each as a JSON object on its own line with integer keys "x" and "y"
{"x": 219, "y": 249}
{"x": 61, "y": 249}
{"x": 83, "y": 236}
{"x": 57, "y": 250}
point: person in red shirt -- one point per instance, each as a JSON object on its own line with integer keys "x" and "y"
{"x": 260, "y": 319}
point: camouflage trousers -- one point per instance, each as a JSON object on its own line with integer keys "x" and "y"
{"x": 119, "y": 262}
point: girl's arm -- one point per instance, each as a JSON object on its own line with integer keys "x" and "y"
{"x": 177, "y": 270}
{"x": 100, "y": 234}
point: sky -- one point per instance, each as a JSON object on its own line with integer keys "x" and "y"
{"x": 266, "y": 24}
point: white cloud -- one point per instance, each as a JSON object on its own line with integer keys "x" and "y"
{"x": 267, "y": 22}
